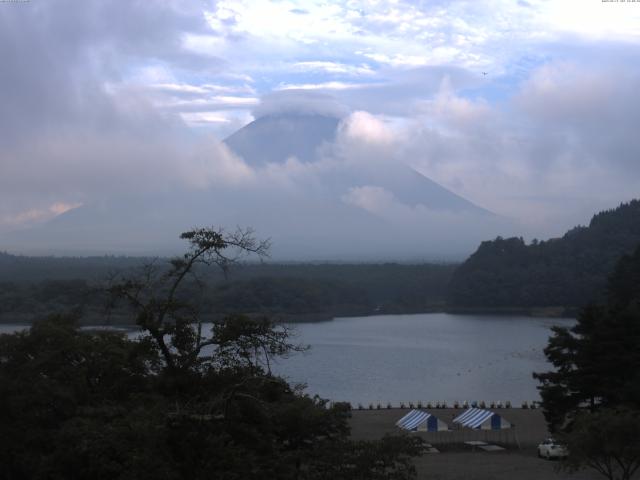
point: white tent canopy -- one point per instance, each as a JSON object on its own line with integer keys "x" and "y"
{"x": 421, "y": 421}
{"x": 480, "y": 419}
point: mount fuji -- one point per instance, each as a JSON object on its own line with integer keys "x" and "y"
{"x": 307, "y": 194}
{"x": 274, "y": 138}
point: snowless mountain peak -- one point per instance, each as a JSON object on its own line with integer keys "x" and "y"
{"x": 339, "y": 210}
{"x": 274, "y": 138}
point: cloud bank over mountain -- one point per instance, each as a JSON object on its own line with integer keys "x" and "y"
{"x": 106, "y": 101}
{"x": 300, "y": 102}
{"x": 342, "y": 195}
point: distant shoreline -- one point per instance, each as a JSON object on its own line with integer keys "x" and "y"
{"x": 123, "y": 321}
{"x": 554, "y": 311}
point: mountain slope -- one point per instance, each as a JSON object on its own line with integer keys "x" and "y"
{"x": 275, "y": 138}
{"x": 322, "y": 206}
{"x": 568, "y": 271}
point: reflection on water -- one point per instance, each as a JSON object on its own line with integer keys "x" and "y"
{"x": 427, "y": 357}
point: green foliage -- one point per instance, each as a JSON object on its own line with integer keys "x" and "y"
{"x": 176, "y": 402}
{"x": 77, "y": 404}
{"x": 607, "y": 440}
{"x": 55, "y": 379}
{"x": 597, "y": 361}
{"x": 387, "y": 459}
{"x": 568, "y": 271}
{"x": 592, "y": 398}
{"x": 249, "y": 343}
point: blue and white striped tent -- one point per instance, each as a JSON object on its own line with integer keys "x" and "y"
{"x": 420, "y": 421}
{"x": 481, "y": 419}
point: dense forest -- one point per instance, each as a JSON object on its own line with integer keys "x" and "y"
{"x": 34, "y": 286}
{"x": 588, "y": 400}
{"x": 179, "y": 401}
{"x": 568, "y": 271}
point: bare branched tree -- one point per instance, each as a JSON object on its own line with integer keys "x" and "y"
{"x": 153, "y": 293}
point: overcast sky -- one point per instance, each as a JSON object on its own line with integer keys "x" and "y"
{"x": 528, "y": 108}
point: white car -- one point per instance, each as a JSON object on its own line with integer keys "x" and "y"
{"x": 549, "y": 449}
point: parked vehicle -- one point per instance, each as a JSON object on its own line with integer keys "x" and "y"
{"x": 549, "y": 449}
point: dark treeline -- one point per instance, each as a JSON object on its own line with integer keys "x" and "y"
{"x": 33, "y": 286}
{"x": 568, "y": 271}
{"x": 23, "y": 269}
{"x": 591, "y": 397}
{"x": 588, "y": 356}
{"x": 380, "y": 288}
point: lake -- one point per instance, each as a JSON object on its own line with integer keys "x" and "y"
{"x": 424, "y": 357}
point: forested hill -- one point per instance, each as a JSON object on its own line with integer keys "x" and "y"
{"x": 568, "y": 271}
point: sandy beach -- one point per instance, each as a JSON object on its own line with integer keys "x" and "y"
{"x": 458, "y": 461}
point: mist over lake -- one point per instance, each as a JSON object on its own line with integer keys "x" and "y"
{"x": 426, "y": 357}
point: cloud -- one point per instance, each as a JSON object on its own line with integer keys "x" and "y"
{"x": 214, "y": 165}
{"x": 211, "y": 103}
{"x": 185, "y": 89}
{"x": 439, "y": 230}
{"x": 322, "y": 86}
{"x": 301, "y": 102}
{"x": 373, "y": 199}
{"x": 36, "y": 215}
{"x": 399, "y": 59}
{"x": 103, "y": 100}
{"x": 565, "y": 130}
{"x": 535, "y": 156}
{"x": 74, "y": 131}
{"x": 565, "y": 92}
{"x": 333, "y": 68}
{"x": 362, "y": 130}
{"x": 447, "y": 108}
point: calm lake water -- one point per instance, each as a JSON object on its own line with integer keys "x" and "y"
{"x": 427, "y": 357}
{"x": 424, "y": 357}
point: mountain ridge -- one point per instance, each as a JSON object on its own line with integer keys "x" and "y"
{"x": 568, "y": 271}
